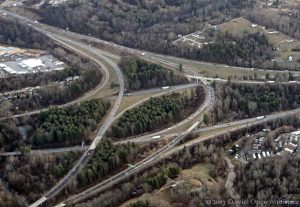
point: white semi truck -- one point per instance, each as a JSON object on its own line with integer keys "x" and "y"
{"x": 165, "y": 87}
{"x": 260, "y": 117}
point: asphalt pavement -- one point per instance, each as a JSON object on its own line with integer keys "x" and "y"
{"x": 152, "y": 159}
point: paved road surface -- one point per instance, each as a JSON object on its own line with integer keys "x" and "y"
{"x": 175, "y": 60}
{"x": 155, "y": 90}
{"x": 167, "y": 151}
{"x": 89, "y": 152}
{"x": 47, "y": 151}
{"x": 141, "y": 165}
{"x": 150, "y": 160}
{"x": 90, "y": 93}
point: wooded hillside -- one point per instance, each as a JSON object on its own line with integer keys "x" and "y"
{"x": 69, "y": 125}
{"x": 149, "y": 25}
{"x": 270, "y": 179}
{"x": 141, "y": 74}
{"x": 157, "y": 113}
{"x": 240, "y": 101}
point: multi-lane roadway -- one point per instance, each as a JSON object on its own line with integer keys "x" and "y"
{"x": 87, "y": 155}
{"x": 57, "y": 34}
{"x": 150, "y": 160}
{"x": 106, "y": 124}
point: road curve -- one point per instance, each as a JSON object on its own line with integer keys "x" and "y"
{"x": 89, "y": 152}
{"x": 90, "y": 93}
{"x": 171, "y": 149}
{"x": 206, "y": 105}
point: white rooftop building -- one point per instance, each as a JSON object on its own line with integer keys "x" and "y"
{"x": 290, "y": 58}
{"x": 32, "y": 63}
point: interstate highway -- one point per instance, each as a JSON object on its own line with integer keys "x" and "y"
{"x": 206, "y": 105}
{"x": 89, "y": 152}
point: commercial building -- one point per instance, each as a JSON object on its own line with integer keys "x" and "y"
{"x": 44, "y": 63}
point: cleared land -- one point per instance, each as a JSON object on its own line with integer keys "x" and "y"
{"x": 200, "y": 172}
{"x": 212, "y": 70}
{"x": 283, "y": 43}
{"x": 196, "y": 176}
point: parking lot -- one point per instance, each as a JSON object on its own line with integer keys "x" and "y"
{"x": 44, "y": 63}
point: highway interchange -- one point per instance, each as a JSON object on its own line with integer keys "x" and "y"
{"x": 104, "y": 56}
{"x": 109, "y": 120}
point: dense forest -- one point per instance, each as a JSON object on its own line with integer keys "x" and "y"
{"x": 270, "y": 179}
{"x": 69, "y": 125}
{"x": 154, "y": 177}
{"x": 149, "y": 25}
{"x": 9, "y": 136}
{"x": 56, "y": 95}
{"x": 278, "y": 19}
{"x": 157, "y": 113}
{"x": 15, "y": 33}
{"x": 240, "y": 101}
{"x": 141, "y": 74}
{"x": 249, "y": 51}
{"x": 25, "y": 178}
{"x": 107, "y": 158}
{"x": 121, "y": 20}
{"x": 160, "y": 179}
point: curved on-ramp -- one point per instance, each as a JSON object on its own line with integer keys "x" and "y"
{"x": 89, "y": 152}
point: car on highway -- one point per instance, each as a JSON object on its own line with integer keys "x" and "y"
{"x": 73, "y": 171}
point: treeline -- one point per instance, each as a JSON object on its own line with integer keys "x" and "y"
{"x": 9, "y": 136}
{"x": 16, "y": 82}
{"x": 149, "y": 25}
{"x": 279, "y": 20}
{"x": 69, "y": 125}
{"x": 155, "y": 182}
{"x": 41, "y": 172}
{"x": 89, "y": 72}
{"x": 270, "y": 179}
{"x": 209, "y": 151}
{"x": 157, "y": 113}
{"x": 18, "y": 34}
{"x": 106, "y": 159}
{"x": 15, "y": 33}
{"x": 25, "y": 178}
{"x": 154, "y": 177}
{"x": 249, "y": 51}
{"x": 141, "y": 74}
{"x": 56, "y": 95}
{"x": 240, "y": 101}
{"x": 160, "y": 179}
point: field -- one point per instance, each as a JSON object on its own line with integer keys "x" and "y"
{"x": 222, "y": 71}
{"x": 196, "y": 39}
{"x": 108, "y": 91}
{"x": 196, "y": 176}
{"x": 200, "y": 174}
{"x": 283, "y": 43}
